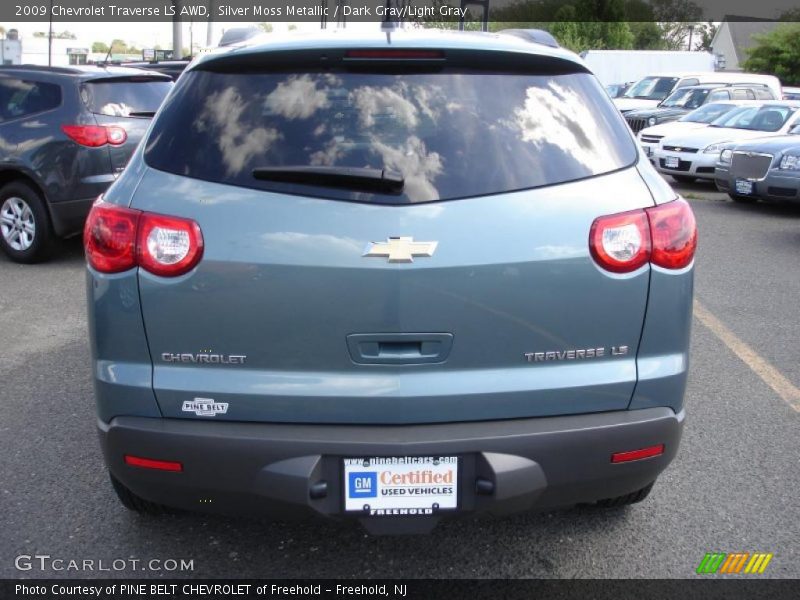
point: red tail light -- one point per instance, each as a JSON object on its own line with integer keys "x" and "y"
{"x": 150, "y": 463}
{"x": 620, "y": 243}
{"x": 665, "y": 235}
{"x": 168, "y": 246}
{"x": 117, "y": 239}
{"x": 649, "y": 452}
{"x": 674, "y": 233}
{"x": 95, "y": 136}
{"x": 109, "y": 237}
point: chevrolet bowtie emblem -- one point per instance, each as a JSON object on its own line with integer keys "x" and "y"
{"x": 400, "y": 249}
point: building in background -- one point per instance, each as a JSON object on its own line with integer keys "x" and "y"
{"x": 10, "y": 48}
{"x": 732, "y": 39}
{"x": 65, "y": 52}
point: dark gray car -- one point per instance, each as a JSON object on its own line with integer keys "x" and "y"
{"x": 393, "y": 278}
{"x": 766, "y": 168}
{"x": 66, "y": 133}
{"x": 686, "y": 99}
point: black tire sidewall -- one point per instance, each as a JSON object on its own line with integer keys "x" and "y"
{"x": 43, "y": 236}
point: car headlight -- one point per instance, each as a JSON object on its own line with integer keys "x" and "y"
{"x": 726, "y": 156}
{"x": 713, "y": 148}
{"x": 652, "y": 121}
{"x": 790, "y": 162}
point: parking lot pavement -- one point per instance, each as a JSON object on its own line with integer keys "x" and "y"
{"x": 732, "y": 488}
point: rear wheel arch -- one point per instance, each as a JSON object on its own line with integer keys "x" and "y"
{"x": 11, "y": 175}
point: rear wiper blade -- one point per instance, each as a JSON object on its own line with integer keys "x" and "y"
{"x": 353, "y": 178}
{"x": 142, "y": 113}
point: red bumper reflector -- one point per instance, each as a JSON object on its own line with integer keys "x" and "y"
{"x": 149, "y": 463}
{"x": 650, "y": 451}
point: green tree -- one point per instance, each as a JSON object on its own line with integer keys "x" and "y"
{"x": 705, "y": 33}
{"x": 674, "y": 17}
{"x": 100, "y": 47}
{"x": 601, "y": 26}
{"x": 777, "y": 53}
{"x": 119, "y": 47}
{"x": 647, "y": 35}
{"x": 265, "y": 27}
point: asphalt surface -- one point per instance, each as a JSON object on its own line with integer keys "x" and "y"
{"x": 733, "y": 486}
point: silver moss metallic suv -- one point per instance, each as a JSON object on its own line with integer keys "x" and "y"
{"x": 392, "y": 278}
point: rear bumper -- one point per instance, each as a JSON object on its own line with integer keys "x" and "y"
{"x": 697, "y": 164}
{"x": 269, "y": 469}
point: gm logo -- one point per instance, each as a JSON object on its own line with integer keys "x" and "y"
{"x": 363, "y": 485}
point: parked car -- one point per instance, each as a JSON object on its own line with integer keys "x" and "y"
{"x": 791, "y": 93}
{"x": 650, "y": 137}
{"x": 617, "y": 90}
{"x": 694, "y": 154}
{"x": 686, "y": 99}
{"x": 404, "y": 287}
{"x": 649, "y": 91}
{"x": 67, "y": 134}
{"x": 766, "y": 168}
{"x": 172, "y": 68}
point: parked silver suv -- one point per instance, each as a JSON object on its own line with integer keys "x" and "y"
{"x": 393, "y": 278}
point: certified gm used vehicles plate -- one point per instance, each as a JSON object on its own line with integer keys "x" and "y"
{"x": 392, "y": 280}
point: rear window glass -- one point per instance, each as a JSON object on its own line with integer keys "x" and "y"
{"x": 125, "y": 97}
{"x": 450, "y": 134}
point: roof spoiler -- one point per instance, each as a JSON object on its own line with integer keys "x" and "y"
{"x": 537, "y": 36}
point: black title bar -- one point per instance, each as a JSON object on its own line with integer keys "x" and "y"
{"x": 516, "y": 11}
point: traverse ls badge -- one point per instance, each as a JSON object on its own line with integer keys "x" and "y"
{"x": 400, "y": 249}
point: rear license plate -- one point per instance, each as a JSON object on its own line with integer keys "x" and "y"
{"x": 403, "y": 485}
{"x": 744, "y": 187}
{"x": 671, "y": 162}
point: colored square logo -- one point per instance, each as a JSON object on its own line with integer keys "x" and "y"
{"x": 363, "y": 484}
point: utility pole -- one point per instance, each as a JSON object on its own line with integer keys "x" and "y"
{"x": 50, "y": 38}
{"x": 177, "y": 33}
{"x": 210, "y": 25}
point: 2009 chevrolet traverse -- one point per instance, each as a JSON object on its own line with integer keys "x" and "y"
{"x": 394, "y": 278}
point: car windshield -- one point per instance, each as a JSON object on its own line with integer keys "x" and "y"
{"x": 686, "y": 98}
{"x": 447, "y": 134}
{"x": 764, "y": 118}
{"x": 708, "y": 113}
{"x": 652, "y": 88}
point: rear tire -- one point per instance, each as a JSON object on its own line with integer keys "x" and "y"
{"x": 743, "y": 199}
{"x": 627, "y": 499}
{"x": 684, "y": 179}
{"x": 137, "y": 504}
{"x": 26, "y": 235}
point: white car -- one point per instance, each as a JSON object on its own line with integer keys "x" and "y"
{"x": 649, "y": 137}
{"x": 693, "y": 154}
{"x": 650, "y": 90}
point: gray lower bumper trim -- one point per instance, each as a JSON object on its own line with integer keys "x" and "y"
{"x": 271, "y": 468}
